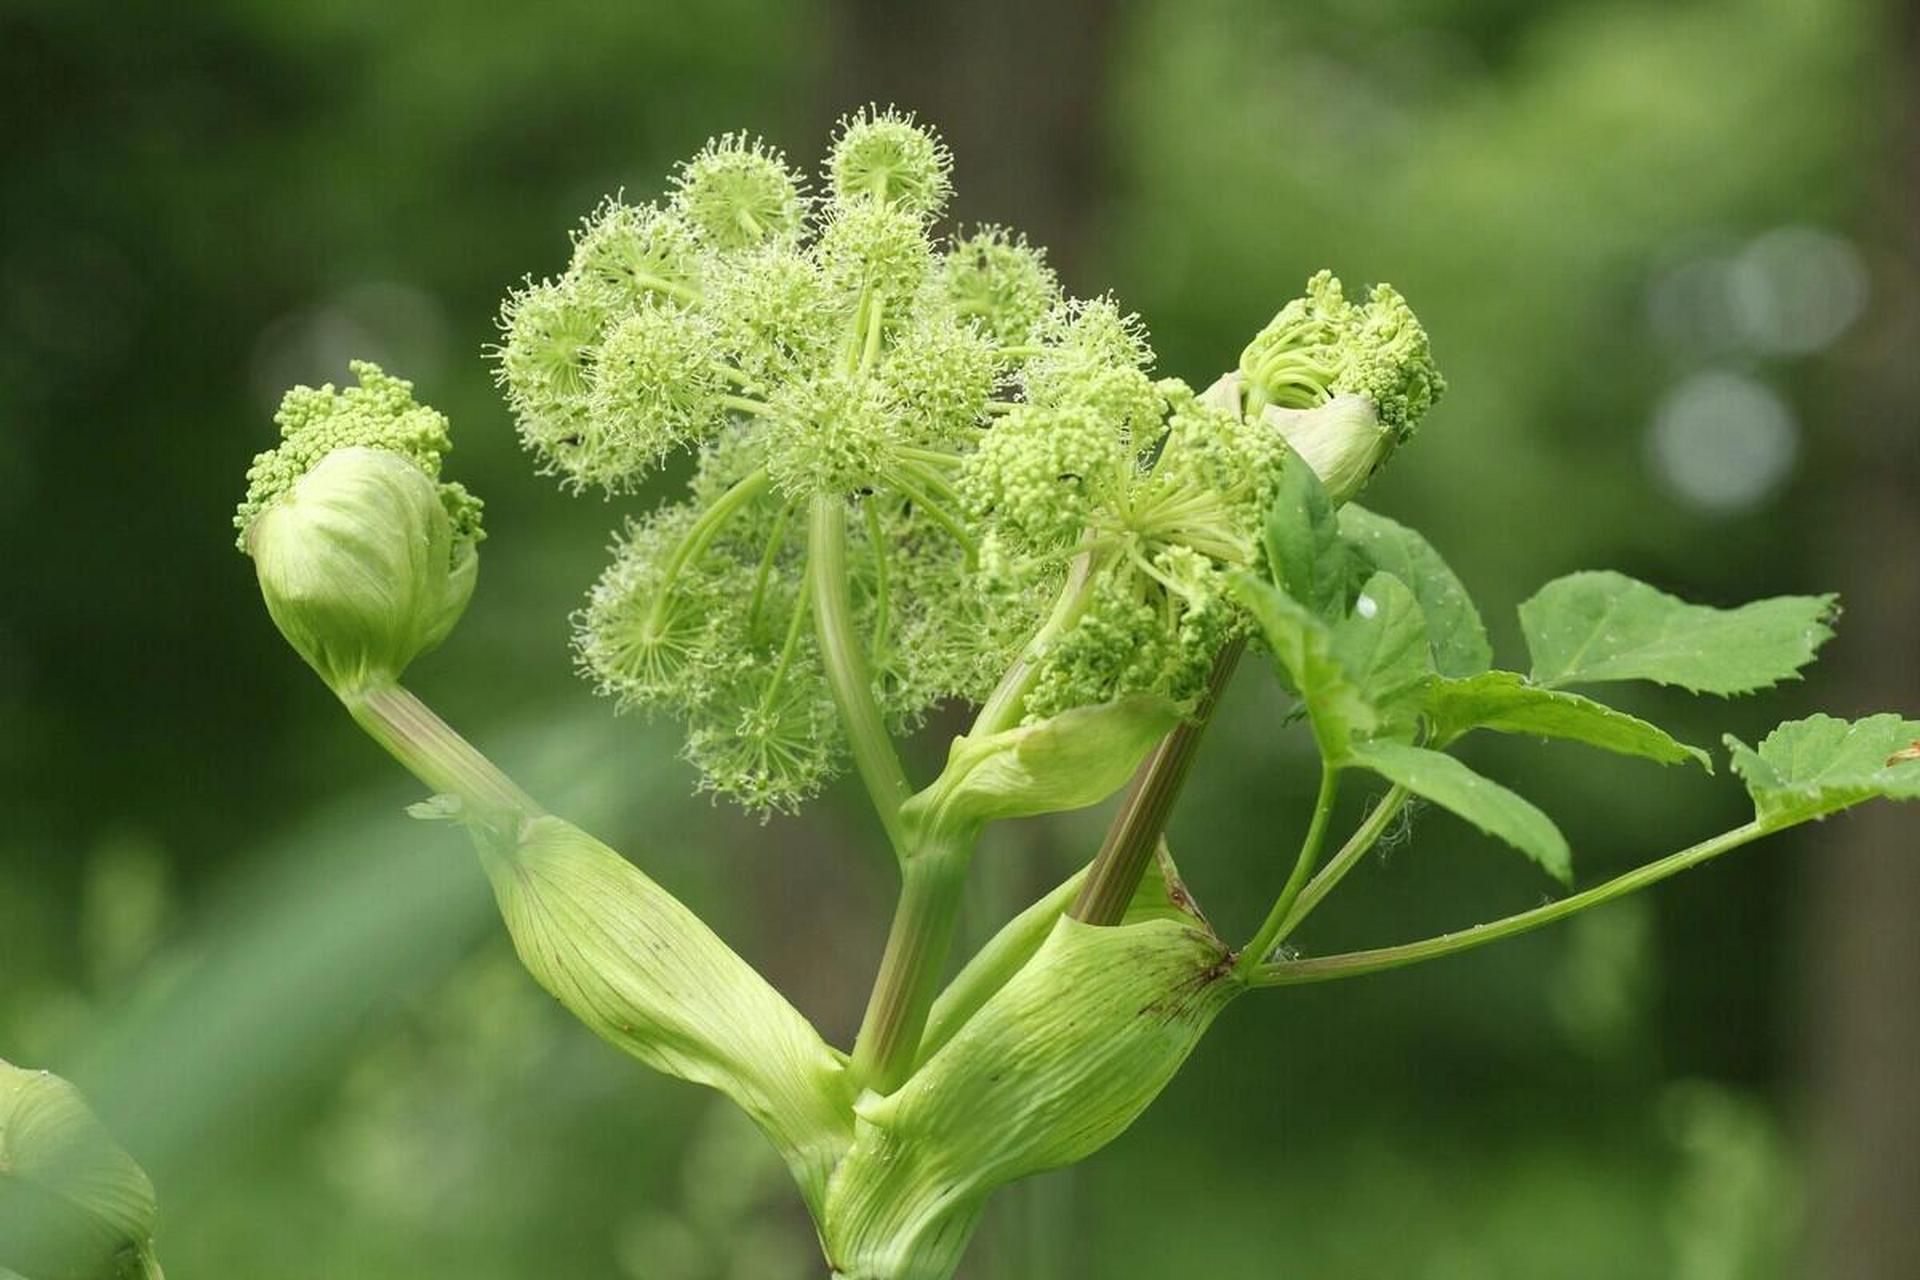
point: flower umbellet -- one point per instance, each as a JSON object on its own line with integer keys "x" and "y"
{"x": 922, "y": 474}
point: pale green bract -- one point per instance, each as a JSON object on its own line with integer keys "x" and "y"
{"x": 1588, "y": 628}
{"x": 1820, "y": 765}
{"x": 73, "y": 1204}
{"x": 1066, "y": 762}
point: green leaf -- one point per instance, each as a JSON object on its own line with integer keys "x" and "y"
{"x": 1481, "y": 801}
{"x": 1382, "y": 645}
{"x": 1302, "y": 645}
{"x": 1505, "y": 702}
{"x": 1065, "y": 762}
{"x": 1304, "y": 553}
{"x": 1591, "y": 627}
{"x": 1454, "y": 628}
{"x": 1821, "y": 765}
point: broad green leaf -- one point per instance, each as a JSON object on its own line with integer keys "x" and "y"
{"x": 1303, "y": 646}
{"x": 1587, "y": 628}
{"x": 1506, "y": 703}
{"x": 1382, "y": 645}
{"x": 1465, "y": 794}
{"x": 1304, "y": 553}
{"x": 1065, "y": 762}
{"x": 72, "y": 1201}
{"x": 1458, "y": 637}
{"x": 1821, "y": 765}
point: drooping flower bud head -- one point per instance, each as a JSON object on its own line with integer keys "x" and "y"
{"x": 886, "y": 156}
{"x": 366, "y": 559}
{"x": 739, "y": 192}
{"x": 72, "y": 1201}
{"x": 1322, "y": 345}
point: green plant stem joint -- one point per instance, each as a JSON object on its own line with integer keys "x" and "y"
{"x": 923, "y": 476}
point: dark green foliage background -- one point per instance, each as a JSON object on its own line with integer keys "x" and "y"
{"x": 295, "y": 1006}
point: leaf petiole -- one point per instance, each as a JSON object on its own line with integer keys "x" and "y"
{"x": 1353, "y": 964}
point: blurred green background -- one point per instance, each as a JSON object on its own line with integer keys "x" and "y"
{"x": 1668, "y": 253}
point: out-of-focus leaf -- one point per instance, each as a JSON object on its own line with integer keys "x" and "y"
{"x": 73, "y": 1204}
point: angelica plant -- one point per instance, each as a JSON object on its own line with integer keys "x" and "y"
{"x": 922, "y": 475}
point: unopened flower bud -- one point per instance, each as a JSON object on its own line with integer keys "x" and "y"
{"x": 360, "y": 566}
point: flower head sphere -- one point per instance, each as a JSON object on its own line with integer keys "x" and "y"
{"x": 987, "y": 473}
{"x": 885, "y": 155}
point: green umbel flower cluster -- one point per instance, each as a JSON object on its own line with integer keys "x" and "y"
{"x": 1032, "y": 519}
{"x": 380, "y": 413}
{"x": 799, "y": 346}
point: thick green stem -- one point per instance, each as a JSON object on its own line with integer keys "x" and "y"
{"x": 1136, "y": 830}
{"x": 1263, "y": 942}
{"x": 932, "y": 881}
{"x": 431, "y": 751}
{"x": 1353, "y": 964}
{"x": 844, "y": 657}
